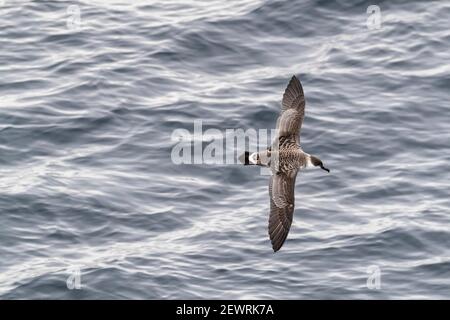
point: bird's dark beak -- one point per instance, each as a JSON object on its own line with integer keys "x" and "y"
{"x": 326, "y": 169}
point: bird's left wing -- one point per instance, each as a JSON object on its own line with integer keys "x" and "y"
{"x": 281, "y": 192}
{"x": 292, "y": 114}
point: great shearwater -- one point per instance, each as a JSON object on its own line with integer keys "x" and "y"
{"x": 285, "y": 158}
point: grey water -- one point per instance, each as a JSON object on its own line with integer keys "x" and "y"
{"x": 93, "y": 207}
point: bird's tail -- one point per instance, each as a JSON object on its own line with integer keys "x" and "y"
{"x": 244, "y": 158}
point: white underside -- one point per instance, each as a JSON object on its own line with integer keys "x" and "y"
{"x": 308, "y": 162}
{"x": 252, "y": 158}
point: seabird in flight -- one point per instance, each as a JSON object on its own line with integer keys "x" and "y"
{"x": 285, "y": 158}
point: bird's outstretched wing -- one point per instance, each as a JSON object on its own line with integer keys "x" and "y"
{"x": 281, "y": 192}
{"x": 290, "y": 120}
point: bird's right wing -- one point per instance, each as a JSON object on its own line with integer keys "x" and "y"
{"x": 293, "y": 97}
{"x": 281, "y": 192}
{"x": 290, "y": 120}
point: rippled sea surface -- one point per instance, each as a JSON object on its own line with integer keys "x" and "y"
{"x": 88, "y": 187}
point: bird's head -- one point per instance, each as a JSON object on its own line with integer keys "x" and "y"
{"x": 316, "y": 162}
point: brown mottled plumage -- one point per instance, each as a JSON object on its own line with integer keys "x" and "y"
{"x": 285, "y": 158}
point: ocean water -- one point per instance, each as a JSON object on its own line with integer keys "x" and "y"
{"x": 92, "y": 205}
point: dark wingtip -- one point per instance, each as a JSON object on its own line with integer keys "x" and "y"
{"x": 276, "y": 246}
{"x": 244, "y": 158}
{"x": 294, "y": 78}
{"x": 276, "y": 249}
